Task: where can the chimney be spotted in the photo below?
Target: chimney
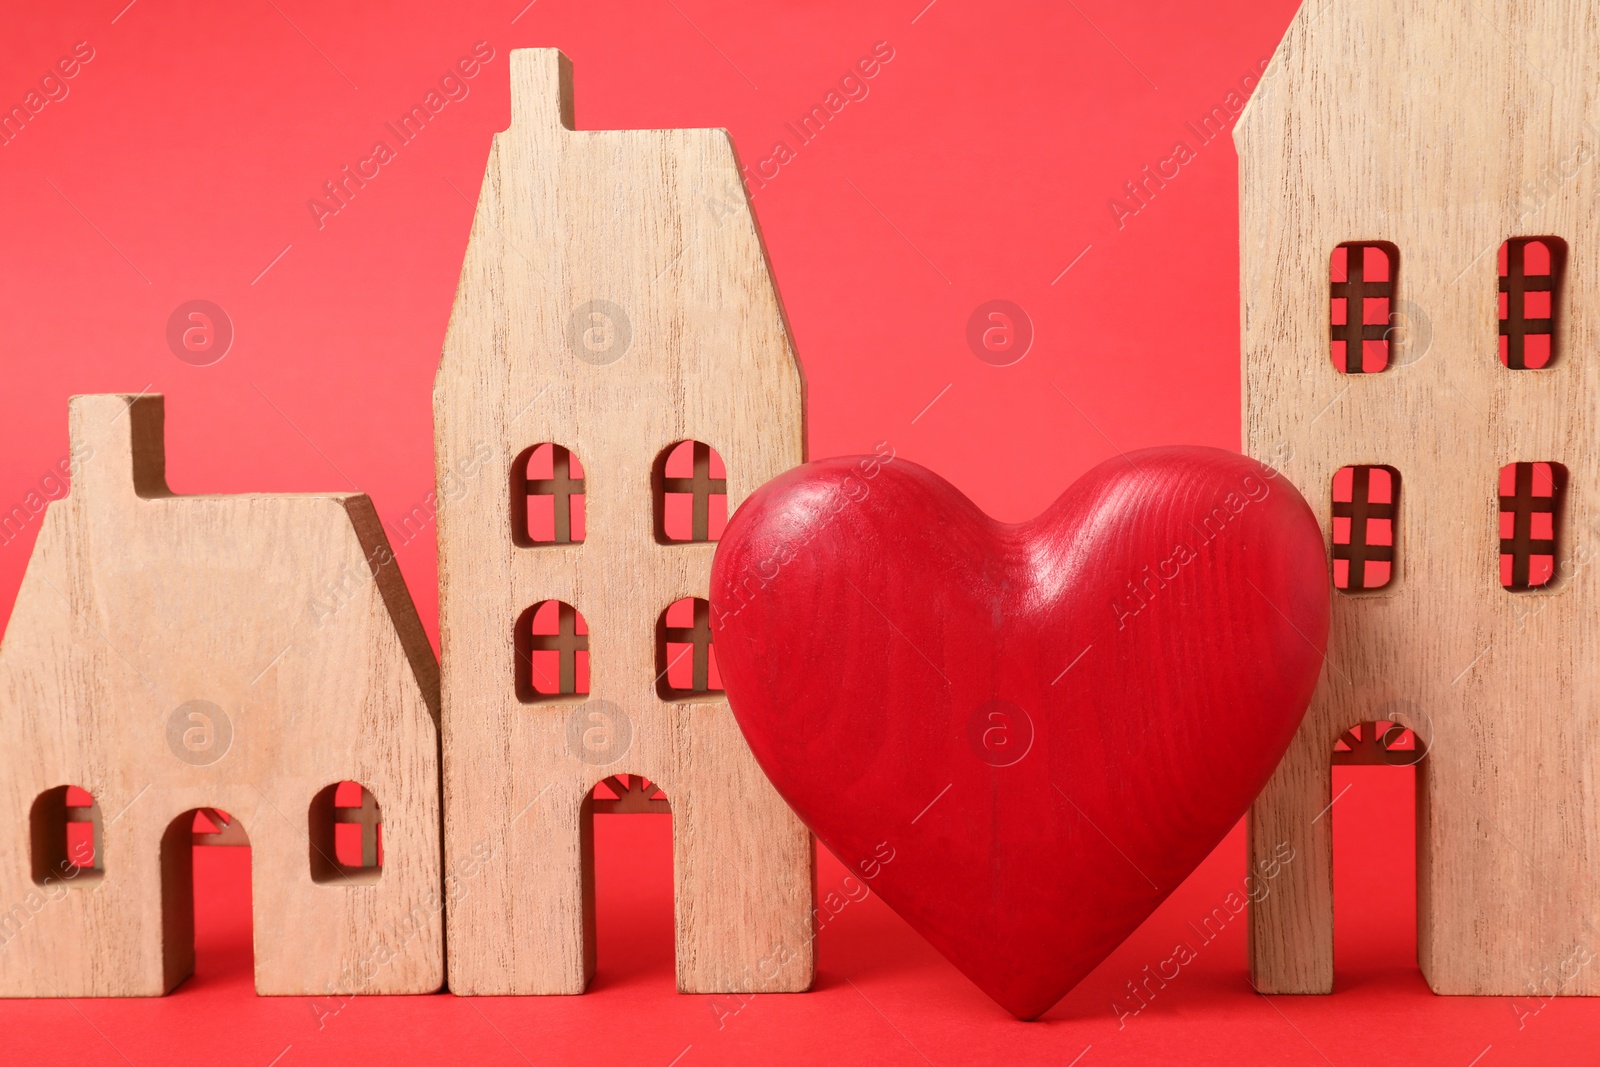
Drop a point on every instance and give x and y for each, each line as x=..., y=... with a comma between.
x=541, y=89
x=118, y=450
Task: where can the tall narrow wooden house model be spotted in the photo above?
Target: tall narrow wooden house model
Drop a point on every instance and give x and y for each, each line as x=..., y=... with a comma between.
x=1421, y=290
x=614, y=320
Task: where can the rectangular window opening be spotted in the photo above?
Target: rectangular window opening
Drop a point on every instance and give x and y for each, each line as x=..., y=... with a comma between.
x=1366, y=507
x=1531, y=496
x=1530, y=288
x=1361, y=290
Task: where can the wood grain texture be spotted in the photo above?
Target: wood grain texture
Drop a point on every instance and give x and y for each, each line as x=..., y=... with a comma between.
x=655, y=224
x=285, y=612
x=1022, y=737
x=1444, y=128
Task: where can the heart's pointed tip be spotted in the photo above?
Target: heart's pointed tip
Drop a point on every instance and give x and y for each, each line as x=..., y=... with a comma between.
x=1026, y=1005
x=1025, y=1011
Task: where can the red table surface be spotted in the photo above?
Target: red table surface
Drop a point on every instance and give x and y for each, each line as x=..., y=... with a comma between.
x=983, y=163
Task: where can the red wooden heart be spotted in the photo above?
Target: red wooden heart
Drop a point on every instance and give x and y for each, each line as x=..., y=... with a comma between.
x=1027, y=735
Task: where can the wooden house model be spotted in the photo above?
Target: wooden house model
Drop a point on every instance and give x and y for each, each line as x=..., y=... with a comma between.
x=1421, y=324
x=184, y=670
x=616, y=338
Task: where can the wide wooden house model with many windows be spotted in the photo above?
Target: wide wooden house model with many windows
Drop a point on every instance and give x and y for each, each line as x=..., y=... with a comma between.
x=1421, y=282
x=617, y=375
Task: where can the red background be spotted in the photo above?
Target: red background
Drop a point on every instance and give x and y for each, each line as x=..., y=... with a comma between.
x=980, y=166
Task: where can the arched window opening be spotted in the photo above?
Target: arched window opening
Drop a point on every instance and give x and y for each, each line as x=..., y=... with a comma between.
x=65, y=828
x=551, y=643
x=547, y=497
x=690, y=485
x=346, y=835
x=686, y=661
